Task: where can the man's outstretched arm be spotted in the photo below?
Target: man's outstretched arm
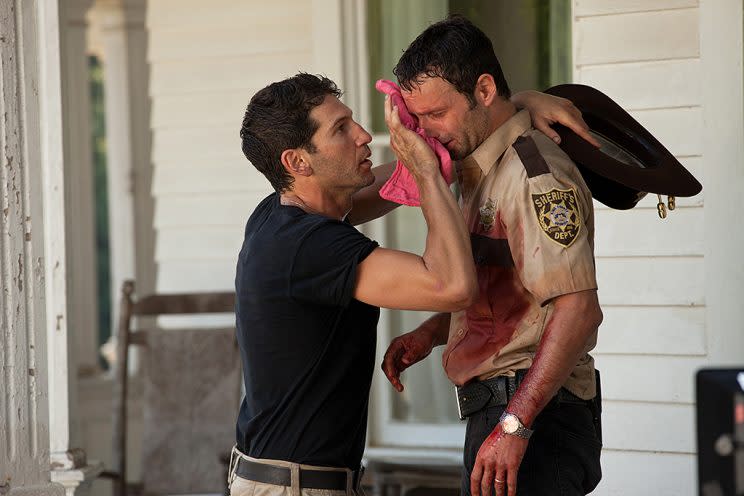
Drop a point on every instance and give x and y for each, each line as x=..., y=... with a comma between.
x=443, y=278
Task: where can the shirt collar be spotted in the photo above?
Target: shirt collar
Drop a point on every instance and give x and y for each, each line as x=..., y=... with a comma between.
x=495, y=145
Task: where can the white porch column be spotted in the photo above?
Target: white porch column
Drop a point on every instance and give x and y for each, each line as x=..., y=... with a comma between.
x=78, y=335
x=82, y=290
x=126, y=76
x=32, y=255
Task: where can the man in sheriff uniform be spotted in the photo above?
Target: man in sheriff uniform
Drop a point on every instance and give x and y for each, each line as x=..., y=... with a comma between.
x=520, y=354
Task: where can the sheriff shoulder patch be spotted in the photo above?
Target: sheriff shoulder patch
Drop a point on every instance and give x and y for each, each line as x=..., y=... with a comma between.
x=558, y=215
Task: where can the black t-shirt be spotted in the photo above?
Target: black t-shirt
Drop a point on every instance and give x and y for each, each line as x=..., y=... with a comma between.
x=307, y=346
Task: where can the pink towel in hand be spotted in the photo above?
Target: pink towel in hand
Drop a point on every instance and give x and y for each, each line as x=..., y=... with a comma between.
x=401, y=187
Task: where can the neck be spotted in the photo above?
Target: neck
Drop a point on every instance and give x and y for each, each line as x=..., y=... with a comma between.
x=318, y=203
x=501, y=112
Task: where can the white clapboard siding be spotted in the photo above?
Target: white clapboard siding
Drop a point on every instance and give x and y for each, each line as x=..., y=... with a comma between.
x=645, y=54
x=206, y=61
x=206, y=42
x=248, y=72
x=652, y=330
x=644, y=85
x=199, y=243
x=636, y=473
x=640, y=232
x=657, y=35
x=208, y=176
x=222, y=14
x=229, y=208
x=603, y=7
x=650, y=280
x=215, y=143
x=183, y=276
x=626, y=427
x=202, y=110
x=649, y=378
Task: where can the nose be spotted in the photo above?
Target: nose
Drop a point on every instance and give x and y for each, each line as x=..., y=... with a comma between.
x=363, y=137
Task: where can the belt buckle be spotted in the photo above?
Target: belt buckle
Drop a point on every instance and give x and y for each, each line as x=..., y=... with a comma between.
x=457, y=400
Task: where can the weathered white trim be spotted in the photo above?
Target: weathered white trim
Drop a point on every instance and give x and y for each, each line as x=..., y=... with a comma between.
x=723, y=176
x=32, y=256
x=82, y=284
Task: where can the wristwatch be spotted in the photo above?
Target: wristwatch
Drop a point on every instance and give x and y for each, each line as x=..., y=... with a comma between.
x=511, y=424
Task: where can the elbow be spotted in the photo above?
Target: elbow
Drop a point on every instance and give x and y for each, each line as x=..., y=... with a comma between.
x=462, y=295
x=598, y=316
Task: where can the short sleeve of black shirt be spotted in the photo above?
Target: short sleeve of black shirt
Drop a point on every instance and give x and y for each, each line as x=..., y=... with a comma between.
x=324, y=268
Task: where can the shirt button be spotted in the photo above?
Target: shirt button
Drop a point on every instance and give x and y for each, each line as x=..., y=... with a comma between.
x=460, y=332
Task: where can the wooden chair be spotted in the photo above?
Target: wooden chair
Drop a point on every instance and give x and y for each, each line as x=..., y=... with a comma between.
x=191, y=393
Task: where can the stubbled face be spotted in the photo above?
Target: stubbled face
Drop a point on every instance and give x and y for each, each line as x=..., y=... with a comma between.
x=445, y=114
x=341, y=160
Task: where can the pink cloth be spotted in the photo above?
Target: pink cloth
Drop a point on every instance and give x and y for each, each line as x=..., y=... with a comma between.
x=401, y=187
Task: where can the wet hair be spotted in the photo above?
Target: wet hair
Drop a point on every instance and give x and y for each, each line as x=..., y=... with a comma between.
x=455, y=50
x=278, y=118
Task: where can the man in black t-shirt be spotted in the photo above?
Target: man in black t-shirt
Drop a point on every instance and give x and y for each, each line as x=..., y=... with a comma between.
x=309, y=286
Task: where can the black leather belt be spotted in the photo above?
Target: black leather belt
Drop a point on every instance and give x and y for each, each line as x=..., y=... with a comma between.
x=282, y=476
x=497, y=391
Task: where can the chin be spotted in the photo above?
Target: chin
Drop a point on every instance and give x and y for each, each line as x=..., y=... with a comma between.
x=369, y=179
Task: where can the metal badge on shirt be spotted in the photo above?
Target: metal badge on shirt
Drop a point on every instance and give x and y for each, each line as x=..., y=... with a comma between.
x=487, y=215
x=558, y=215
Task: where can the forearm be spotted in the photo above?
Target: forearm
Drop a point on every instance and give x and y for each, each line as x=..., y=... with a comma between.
x=437, y=328
x=448, y=255
x=563, y=342
x=367, y=202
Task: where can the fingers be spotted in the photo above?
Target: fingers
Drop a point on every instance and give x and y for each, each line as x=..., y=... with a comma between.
x=544, y=126
x=475, y=478
x=392, y=119
x=574, y=121
x=487, y=480
x=390, y=367
x=511, y=481
x=582, y=130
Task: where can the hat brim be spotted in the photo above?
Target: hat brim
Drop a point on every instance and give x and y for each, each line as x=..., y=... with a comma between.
x=630, y=163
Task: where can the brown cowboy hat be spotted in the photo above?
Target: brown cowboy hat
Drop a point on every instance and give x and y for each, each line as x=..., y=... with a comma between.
x=630, y=163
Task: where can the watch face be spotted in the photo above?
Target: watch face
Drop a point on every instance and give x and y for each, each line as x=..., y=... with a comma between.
x=510, y=424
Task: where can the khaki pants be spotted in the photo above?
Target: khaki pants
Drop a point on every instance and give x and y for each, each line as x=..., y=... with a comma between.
x=243, y=487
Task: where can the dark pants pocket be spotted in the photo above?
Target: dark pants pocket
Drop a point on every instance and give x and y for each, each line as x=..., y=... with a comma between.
x=562, y=457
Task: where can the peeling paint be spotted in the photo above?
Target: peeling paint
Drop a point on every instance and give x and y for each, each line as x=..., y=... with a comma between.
x=59, y=322
x=31, y=372
x=20, y=272
x=28, y=236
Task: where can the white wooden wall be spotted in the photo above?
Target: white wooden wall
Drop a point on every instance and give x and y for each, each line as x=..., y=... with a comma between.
x=646, y=54
x=207, y=59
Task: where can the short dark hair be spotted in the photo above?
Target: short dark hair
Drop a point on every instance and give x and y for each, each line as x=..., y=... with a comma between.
x=455, y=50
x=278, y=118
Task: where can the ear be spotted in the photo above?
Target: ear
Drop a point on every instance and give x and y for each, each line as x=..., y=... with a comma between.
x=485, y=90
x=296, y=162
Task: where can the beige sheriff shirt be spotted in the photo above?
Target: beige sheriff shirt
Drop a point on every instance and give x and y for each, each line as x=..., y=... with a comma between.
x=531, y=221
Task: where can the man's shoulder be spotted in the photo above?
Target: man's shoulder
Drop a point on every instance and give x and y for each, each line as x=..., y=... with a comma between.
x=533, y=157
